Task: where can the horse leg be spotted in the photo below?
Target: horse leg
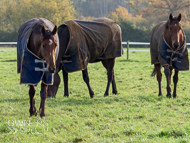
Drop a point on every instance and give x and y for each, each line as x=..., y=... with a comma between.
x=32, y=110
x=43, y=94
x=52, y=89
x=109, y=64
x=175, y=80
x=167, y=74
x=159, y=77
x=86, y=80
x=171, y=71
x=65, y=79
x=114, y=88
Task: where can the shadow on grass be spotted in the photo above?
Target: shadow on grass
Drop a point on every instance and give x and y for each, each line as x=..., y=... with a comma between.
x=151, y=98
x=129, y=60
x=9, y=61
x=13, y=100
x=85, y=101
x=169, y=134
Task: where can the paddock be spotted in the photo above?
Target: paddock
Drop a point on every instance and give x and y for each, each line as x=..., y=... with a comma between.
x=135, y=114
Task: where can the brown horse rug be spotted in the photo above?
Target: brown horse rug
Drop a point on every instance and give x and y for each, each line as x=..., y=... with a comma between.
x=91, y=41
x=162, y=53
x=28, y=64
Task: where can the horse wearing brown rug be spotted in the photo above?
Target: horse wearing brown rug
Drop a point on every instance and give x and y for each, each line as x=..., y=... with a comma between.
x=168, y=49
x=83, y=42
x=37, y=51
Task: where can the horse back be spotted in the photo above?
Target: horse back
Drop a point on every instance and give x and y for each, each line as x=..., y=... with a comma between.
x=90, y=41
x=156, y=38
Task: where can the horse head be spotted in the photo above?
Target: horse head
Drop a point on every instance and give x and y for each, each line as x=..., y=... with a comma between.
x=48, y=48
x=173, y=33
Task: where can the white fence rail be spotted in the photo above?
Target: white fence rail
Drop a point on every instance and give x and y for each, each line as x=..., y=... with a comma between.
x=123, y=43
x=141, y=43
x=136, y=43
x=8, y=43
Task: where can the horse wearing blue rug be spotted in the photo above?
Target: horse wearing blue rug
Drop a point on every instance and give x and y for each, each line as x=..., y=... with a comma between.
x=83, y=42
x=168, y=49
x=37, y=52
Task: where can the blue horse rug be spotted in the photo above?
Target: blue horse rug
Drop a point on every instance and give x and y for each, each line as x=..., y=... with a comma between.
x=178, y=59
x=31, y=67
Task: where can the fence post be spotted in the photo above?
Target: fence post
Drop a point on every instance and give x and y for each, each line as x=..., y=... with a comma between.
x=127, y=50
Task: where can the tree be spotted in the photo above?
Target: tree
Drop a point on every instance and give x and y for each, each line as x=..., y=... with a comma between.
x=122, y=14
x=155, y=11
x=96, y=8
x=13, y=13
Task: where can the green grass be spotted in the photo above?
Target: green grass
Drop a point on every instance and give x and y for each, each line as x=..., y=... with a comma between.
x=136, y=114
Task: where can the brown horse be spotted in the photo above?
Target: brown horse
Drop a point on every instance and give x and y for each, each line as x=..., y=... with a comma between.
x=168, y=50
x=83, y=42
x=40, y=41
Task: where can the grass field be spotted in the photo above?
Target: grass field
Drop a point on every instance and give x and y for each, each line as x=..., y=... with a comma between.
x=136, y=114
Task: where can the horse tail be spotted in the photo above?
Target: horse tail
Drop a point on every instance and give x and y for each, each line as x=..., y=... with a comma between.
x=153, y=72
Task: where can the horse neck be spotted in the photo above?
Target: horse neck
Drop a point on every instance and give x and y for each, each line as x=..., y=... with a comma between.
x=64, y=38
x=34, y=44
x=181, y=39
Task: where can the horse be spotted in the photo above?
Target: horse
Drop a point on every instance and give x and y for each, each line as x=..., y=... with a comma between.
x=168, y=49
x=83, y=42
x=37, y=48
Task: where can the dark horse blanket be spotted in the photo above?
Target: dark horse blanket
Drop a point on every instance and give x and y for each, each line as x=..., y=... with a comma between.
x=28, y=64
x=91, y=41
x=162, y=53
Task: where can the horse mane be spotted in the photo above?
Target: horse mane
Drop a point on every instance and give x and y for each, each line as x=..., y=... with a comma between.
x=168, y=22
x=37, y=29
x=38, y=26
x=38, y=23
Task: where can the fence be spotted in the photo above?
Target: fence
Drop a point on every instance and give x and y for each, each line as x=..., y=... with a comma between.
x=123, y=43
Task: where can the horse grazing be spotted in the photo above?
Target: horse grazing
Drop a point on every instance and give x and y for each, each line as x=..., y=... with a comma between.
x=168, y=49
x=37, y=50
x=83, y=42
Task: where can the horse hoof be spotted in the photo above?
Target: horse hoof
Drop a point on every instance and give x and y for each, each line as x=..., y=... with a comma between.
x=92, y=94
x=106, y=94
x=42, y=115
x=34, y=112
x=174, y=96
x=115, y=92
x=66, y=95
x=159, y=94
x=169, y=95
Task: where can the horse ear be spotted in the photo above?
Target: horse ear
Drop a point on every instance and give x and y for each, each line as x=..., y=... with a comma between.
x=43, y=30
x=170, y=17
x=179, y=17
x=54, y=30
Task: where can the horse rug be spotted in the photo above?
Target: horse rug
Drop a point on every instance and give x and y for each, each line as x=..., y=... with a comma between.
x=178, y=59
x=91, y=41
x=29, y=65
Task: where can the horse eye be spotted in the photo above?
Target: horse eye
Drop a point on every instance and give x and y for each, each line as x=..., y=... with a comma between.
x=43, y=46
x=170, y=28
